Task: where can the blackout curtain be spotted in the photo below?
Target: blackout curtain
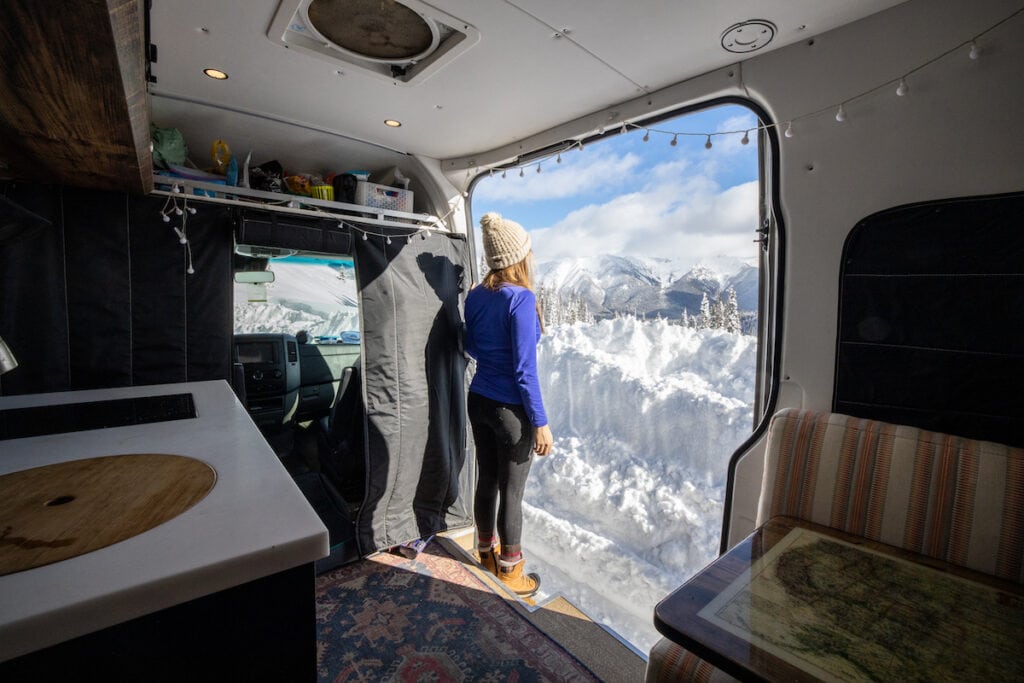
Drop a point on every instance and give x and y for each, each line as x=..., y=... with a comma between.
x=102, y=297
x=418, y=478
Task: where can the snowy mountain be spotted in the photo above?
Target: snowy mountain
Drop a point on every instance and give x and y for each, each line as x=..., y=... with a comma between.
x=648, y=287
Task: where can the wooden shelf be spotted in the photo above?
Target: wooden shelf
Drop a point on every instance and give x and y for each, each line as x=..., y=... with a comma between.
x=73, y=100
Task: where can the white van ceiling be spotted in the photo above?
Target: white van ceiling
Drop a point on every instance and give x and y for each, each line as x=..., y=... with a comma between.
x=493, y=71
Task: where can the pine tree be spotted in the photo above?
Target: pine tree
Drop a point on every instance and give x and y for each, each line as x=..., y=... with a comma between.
x=704, y=320
x=732, y=313
x=718, y=314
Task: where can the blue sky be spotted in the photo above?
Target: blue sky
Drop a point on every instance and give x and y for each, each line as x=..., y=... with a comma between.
x=628, y=197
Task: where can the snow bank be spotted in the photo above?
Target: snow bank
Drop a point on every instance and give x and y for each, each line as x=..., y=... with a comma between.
x=645, y=417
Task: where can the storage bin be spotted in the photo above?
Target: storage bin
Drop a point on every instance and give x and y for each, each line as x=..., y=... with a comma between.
x=322, y=192
x=383, y=197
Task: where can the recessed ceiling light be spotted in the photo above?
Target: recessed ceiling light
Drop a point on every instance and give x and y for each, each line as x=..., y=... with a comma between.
x=392, y=122
x=216, y=74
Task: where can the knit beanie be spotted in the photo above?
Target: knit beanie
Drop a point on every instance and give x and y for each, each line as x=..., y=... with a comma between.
x=505, y=242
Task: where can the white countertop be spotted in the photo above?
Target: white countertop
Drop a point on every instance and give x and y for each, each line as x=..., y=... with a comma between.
x=254, y=523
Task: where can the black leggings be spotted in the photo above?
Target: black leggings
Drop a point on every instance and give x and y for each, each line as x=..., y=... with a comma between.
x=504, y=449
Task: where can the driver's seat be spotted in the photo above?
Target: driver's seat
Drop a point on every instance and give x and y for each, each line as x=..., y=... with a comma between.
x=342, y=458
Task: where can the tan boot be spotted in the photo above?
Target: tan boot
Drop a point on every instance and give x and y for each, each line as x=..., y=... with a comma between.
x=511, y=575
x=489, y=558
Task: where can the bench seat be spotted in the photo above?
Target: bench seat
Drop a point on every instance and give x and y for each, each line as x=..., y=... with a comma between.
x=944, y=496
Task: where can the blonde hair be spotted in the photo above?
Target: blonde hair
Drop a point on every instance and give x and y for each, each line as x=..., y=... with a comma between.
x=520, y=273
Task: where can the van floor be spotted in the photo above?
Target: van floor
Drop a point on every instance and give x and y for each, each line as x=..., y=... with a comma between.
x=599, y=649
x=368, y=613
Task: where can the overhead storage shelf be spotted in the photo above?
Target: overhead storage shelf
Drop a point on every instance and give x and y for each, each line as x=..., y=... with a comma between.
x=198, y=190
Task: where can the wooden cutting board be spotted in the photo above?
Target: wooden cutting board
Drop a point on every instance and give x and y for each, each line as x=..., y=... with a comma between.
x=55, y=512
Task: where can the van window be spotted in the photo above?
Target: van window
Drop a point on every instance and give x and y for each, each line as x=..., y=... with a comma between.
x=316, y=295
x=647, y=275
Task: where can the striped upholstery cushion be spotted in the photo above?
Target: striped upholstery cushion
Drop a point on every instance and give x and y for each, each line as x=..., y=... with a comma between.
x=669, y=662
x=948, y=497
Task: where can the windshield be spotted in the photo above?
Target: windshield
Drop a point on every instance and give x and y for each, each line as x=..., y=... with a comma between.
x=315, y=295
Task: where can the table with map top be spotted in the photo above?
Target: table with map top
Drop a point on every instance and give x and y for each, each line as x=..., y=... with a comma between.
x=799, y=601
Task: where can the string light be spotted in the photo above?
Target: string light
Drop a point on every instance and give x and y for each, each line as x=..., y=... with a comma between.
x=389, y=238
x=974, y=52
x=520, y=173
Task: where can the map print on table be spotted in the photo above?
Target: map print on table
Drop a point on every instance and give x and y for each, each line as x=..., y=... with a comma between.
x=842, y=612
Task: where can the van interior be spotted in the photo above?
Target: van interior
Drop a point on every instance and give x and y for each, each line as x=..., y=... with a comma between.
x=159, y=157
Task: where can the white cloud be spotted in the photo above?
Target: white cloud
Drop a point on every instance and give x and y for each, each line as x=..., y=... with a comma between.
x=578, y=174
x=732, y=143
x=682, y=213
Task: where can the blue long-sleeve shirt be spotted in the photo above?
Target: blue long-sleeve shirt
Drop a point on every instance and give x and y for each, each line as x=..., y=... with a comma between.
x=502, y=331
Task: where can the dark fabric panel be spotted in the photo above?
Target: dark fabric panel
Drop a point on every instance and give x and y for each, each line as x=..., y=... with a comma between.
x=33, y=308
x=210, y=294
x=267, y=229
x=100, y=298
x=100, y=302
x=418, y=478
x=931, y=316
x=182, y=322
x=974, y=384
x=159, y=261
x=966, y=235
x=955, y=312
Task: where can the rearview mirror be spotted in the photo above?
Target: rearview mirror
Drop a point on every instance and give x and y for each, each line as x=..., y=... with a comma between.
x=254, y=277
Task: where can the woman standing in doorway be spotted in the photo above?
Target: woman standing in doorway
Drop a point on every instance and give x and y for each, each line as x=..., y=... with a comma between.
x=505, y=407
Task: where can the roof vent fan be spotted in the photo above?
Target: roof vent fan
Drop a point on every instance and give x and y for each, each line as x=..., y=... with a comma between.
x=404, y=41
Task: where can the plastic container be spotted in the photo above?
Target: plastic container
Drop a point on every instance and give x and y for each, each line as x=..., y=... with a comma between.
x=383, y=197
x=322, y=192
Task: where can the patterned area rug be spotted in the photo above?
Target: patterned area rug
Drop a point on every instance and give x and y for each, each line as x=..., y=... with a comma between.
x=388, y=618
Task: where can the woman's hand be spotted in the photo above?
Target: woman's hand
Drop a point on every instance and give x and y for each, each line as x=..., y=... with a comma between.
x=542, y=440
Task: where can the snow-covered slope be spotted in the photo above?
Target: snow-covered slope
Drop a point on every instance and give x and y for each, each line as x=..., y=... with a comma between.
x=645, y=417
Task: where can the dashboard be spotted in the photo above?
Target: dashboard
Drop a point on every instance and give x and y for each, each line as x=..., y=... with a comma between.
x=287, y=381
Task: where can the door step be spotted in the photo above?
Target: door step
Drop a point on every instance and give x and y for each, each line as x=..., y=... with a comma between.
x=599, y=648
